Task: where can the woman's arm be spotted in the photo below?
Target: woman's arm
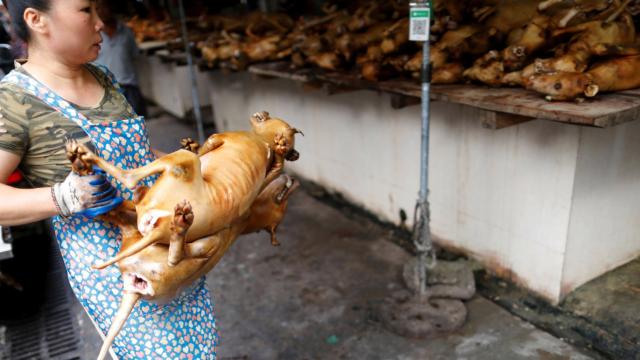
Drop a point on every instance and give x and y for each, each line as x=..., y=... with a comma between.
x=21, y=206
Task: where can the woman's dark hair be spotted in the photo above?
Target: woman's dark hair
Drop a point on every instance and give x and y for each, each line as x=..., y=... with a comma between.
x=16, y=11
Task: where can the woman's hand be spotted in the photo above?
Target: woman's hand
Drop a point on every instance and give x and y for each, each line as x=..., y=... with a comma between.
x=89, y=195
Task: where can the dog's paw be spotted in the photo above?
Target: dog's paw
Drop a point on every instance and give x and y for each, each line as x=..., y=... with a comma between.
x=182, y=217
x=260, y=116
x=190, y=145
x=79, y=157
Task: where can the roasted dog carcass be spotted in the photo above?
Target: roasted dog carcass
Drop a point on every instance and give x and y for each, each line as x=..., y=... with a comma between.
x=350, y=43
x=220, y=183
x=395, y=37
x=534, y=36
x=488, y=69
x=587, y=36
x=610, y=75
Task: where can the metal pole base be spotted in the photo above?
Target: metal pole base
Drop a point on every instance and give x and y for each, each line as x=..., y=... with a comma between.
x=410, y=315
x=448, y=279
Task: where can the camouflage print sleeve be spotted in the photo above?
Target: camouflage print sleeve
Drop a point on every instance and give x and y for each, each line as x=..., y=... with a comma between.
x=14, y=132
x=37, y=133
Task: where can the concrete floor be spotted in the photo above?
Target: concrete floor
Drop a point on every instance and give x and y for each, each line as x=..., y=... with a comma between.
x=314, y=296
x=608, y=297
x=612, y=302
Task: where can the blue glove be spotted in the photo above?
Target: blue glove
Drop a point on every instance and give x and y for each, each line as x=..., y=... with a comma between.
x=90, y=195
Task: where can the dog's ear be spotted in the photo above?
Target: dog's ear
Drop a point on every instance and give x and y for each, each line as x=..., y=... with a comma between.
x=296, y=131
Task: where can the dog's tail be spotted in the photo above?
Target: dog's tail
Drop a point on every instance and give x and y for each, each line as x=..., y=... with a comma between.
x=129, y=301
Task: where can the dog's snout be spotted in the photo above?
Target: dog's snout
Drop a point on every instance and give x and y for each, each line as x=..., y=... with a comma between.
x=292, y=155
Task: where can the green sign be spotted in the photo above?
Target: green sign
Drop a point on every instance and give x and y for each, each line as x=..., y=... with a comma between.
x=423, y=13
x=419, y=22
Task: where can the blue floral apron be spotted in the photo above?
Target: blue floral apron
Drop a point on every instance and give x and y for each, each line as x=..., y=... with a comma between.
x=183, y=329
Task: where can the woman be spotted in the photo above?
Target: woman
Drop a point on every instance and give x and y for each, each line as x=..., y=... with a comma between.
x=57, y=95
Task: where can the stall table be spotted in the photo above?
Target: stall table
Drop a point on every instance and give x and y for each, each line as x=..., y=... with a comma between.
x=602, y=111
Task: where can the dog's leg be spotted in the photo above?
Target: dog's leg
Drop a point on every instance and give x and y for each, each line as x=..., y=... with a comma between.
x=150, y=238
x=129, y=301
x=128, y=230
x=125, y=218
x=182, y=220
x=213, y=142
x=272, y=229
x=127, y=206
x=201, y=248
x=122, y=217
x=208, y=246
x=138, y=193
x=82, y=158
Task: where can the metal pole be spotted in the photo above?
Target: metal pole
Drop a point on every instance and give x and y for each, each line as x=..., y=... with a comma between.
x=421, y=230
x=263, y=5
x=192, y=72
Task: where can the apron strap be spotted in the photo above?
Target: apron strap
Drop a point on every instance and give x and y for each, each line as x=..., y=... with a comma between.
x=110, y=76
x=42, y=92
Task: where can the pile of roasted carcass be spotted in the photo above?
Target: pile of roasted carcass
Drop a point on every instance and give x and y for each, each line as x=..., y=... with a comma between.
x=152, y=30
x=177, y=230
x=563, y=49
x=234, y=42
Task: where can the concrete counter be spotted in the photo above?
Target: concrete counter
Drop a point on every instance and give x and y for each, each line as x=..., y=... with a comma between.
x=169, y=85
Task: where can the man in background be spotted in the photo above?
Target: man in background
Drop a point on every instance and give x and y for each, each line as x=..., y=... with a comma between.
x=118, y=53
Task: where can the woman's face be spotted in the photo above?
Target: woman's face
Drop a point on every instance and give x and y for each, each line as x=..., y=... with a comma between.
x=74, y=30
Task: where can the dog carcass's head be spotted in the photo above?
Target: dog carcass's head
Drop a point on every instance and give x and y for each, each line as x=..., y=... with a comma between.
x=563, y=85
x=270, y=206
x=276, y=132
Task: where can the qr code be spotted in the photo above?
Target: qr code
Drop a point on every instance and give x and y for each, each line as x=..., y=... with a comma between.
x=419, y=27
